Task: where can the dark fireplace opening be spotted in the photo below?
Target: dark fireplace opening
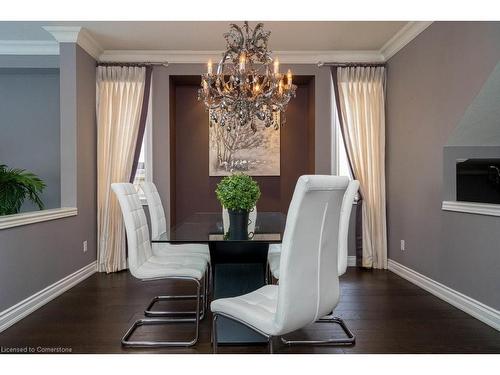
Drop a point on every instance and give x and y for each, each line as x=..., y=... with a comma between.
x=478, y=180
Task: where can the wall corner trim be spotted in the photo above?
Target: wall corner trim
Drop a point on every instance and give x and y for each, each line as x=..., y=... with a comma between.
x=78, y=35
x=477, y=309
x=404, y=36
x=25, y=218
x=472, y=208
x=22, y=309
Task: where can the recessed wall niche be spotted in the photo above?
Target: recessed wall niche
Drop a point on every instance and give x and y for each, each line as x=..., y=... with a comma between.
x=192, y=190
x=30, y=127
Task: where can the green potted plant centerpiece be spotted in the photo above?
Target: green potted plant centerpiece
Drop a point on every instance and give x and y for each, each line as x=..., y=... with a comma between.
x=16, y=185
x=238, y=193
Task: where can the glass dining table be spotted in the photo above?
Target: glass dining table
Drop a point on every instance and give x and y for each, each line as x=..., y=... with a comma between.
x=238, y=266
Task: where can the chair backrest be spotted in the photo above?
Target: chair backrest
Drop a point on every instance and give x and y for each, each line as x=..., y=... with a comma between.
x=309, y=284
x=139, y=247
x=156, y=211
x=345, y=216
x=252, y=218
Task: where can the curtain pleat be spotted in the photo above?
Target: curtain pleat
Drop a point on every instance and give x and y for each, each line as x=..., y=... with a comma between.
x=142, y=122
x=360, y=95
x=120, y=94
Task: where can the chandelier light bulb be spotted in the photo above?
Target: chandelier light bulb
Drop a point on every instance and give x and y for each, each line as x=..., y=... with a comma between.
x=276, y=66
x=209, y=66
x=243, y=61
x=289, y=78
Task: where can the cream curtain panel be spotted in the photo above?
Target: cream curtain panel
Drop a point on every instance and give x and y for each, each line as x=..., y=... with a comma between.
x=361, y=101
x=120, y=92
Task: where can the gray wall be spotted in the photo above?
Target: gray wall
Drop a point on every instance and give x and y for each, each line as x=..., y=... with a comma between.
x=431, y=82
x=30, y=127
x=35, y=256
x=480, y=123
x=29, y=61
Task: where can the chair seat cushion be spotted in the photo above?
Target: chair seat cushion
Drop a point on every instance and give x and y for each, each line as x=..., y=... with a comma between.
x=257, y=308
x=274, y=248
x=192, y=249
x=171, y=266
x=273, y=258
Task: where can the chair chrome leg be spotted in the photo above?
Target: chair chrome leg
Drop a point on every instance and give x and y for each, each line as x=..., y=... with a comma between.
x=350, y=340
x=153, y=313
x=214, y=333
x=206, y=293
x=158, y=321
x=209, y=272
x=271, y=345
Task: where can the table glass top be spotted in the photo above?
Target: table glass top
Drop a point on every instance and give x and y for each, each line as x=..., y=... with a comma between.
x=204, y=227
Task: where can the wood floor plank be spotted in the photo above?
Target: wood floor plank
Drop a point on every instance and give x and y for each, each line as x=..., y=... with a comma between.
x=386, y=313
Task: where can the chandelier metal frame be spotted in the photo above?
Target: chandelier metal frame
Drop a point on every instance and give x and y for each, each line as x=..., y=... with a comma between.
x=247, y=88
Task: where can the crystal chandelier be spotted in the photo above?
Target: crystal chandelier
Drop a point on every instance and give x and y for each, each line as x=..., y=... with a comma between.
x=247, y=88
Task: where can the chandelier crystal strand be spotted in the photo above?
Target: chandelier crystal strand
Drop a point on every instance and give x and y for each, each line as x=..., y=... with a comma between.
x=247, y=87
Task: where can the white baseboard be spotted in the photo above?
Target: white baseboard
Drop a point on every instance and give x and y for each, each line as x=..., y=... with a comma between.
x=478, y=310
x=351, y=261
x=22, y=309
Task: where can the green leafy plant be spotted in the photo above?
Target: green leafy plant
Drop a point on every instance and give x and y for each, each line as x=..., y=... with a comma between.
x=17, y=185
x=238, y=192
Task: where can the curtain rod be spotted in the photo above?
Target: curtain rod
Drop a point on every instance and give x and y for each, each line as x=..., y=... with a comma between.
x=348, y=64
x=145, y=63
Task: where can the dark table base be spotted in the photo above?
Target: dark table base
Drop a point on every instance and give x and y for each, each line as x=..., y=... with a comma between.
x=233, y=278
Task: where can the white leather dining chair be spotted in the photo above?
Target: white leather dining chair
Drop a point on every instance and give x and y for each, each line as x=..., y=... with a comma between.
x=273, y=257
x=159, y=226
x=252, y=218
x=146, y=266
x=274, y=264
x=309, y=285
x=273, y=261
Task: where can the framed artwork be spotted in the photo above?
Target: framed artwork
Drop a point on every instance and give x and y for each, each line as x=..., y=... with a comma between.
x=243, y=150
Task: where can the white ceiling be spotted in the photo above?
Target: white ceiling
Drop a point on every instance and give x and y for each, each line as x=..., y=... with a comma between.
x=207, y=36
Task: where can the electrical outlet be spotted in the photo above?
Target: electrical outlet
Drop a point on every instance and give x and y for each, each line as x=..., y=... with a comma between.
x=84, y=246
x=403, y=245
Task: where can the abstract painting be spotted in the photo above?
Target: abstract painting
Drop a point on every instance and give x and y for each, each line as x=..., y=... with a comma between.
x=243, y=150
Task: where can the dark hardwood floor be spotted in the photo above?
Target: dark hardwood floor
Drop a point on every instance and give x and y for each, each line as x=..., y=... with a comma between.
x=386, y=313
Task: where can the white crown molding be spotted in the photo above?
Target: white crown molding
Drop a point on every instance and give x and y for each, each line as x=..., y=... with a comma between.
x=201, y=57
x=316, y=57
x=404, y=36
x=64, y=34
x=25, y=218
x=29, y=47
x=27, y=306
x=78, y=35
x=477, y=309
x=472, y=208
x=159, y=56
x=89, y=44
